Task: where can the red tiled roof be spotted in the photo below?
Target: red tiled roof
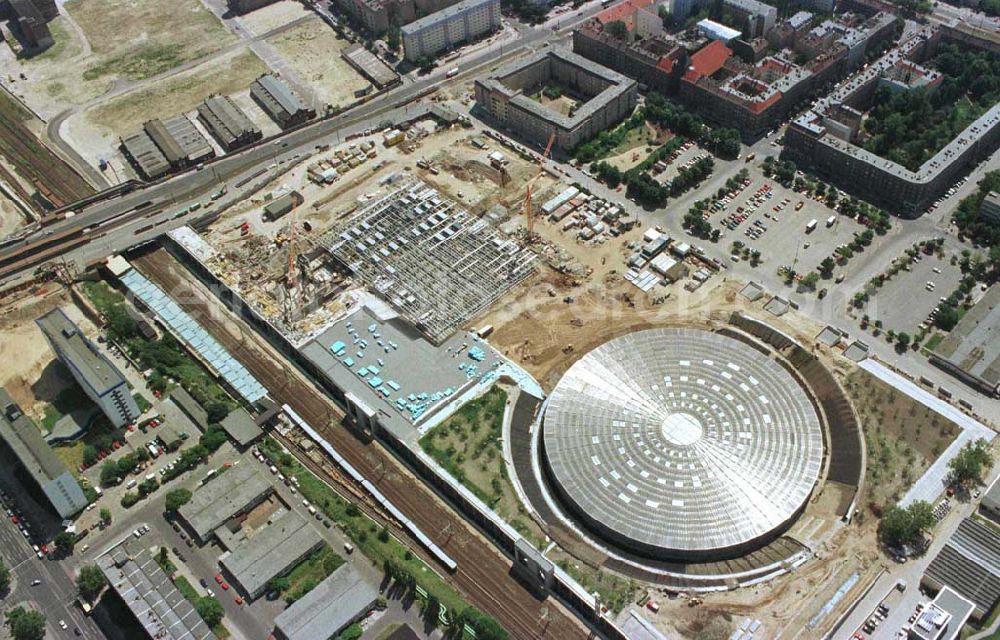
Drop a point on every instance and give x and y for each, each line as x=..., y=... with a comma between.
x=759, y=107
x=708, y=60
x=666, y=64
x=623, y=11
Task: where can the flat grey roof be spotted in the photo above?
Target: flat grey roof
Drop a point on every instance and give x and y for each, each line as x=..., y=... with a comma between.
x=271, y=551
x=150, y=594
x=969, y=563
x=191, y=407
x=991, y=499
x=76, y=351
x=444, y=14
x=241, y=427
x=24, y=438
x=328, y=608
x=974, y=344
x=223, y=497
x=431, y=374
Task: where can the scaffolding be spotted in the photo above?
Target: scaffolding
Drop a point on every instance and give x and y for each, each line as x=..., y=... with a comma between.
x=434, y=262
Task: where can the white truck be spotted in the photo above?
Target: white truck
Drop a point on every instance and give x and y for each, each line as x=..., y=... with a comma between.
x=811, y=226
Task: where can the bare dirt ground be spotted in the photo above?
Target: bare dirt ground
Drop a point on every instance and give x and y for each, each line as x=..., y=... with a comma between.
x=136, y=39
x=273, y=16
x=449, y=150
x=55, y=78
x=11, y=218
x=96, y=132
x=99, y=42
x=31, y=373
x=312, y=50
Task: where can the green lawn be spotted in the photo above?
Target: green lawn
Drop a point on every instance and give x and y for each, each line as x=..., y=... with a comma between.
x=311, y=571
x=933, y=341
x=361, y=529
x=70, y=399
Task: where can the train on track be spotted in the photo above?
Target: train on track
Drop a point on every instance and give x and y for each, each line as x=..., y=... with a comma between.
x=436, y=551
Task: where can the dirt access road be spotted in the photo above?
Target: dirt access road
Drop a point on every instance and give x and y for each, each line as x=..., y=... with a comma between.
x=483, y=574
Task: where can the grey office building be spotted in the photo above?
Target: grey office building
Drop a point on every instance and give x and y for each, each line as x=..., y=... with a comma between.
x=100, y=380
x=450, y=27
x=25, y=441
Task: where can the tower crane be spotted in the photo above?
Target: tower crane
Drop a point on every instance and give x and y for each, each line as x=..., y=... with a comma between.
x=528, y=214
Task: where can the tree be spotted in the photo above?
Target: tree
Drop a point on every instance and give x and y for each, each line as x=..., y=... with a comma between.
x=109, y=473
x=902, y=341
x=352, y=632
x=425, y=64
x=216, y=411
x=616, y=29
x=901, y=526
x=105, y=515
x=176, y=499
x=280, y=584
x=968, y=466
x=25, y=624
x=4, y=577
x=90, y=581
x=392, y=37
x=826, y=267
x=431, y=608
x=947, y=317
x=89, y=455
x=809, y=280
x=486, y=628
x=64, y=542
x=210, y=610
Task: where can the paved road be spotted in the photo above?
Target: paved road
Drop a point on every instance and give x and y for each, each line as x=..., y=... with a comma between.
x=56, y=594
x=169, y=196
x=53, y=130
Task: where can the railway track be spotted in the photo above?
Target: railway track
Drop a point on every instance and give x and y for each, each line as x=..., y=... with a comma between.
x=55, y=180
x=483, y=574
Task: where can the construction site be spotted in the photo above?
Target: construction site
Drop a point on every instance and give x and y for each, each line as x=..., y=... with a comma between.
x=428, y=217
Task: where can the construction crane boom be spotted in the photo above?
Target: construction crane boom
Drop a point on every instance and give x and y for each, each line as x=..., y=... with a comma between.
x=528, y=213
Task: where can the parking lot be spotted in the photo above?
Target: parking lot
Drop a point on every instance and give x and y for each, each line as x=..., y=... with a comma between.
x=668, y=168
x=882, y=621
x=766, y=216
x=907, y=300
